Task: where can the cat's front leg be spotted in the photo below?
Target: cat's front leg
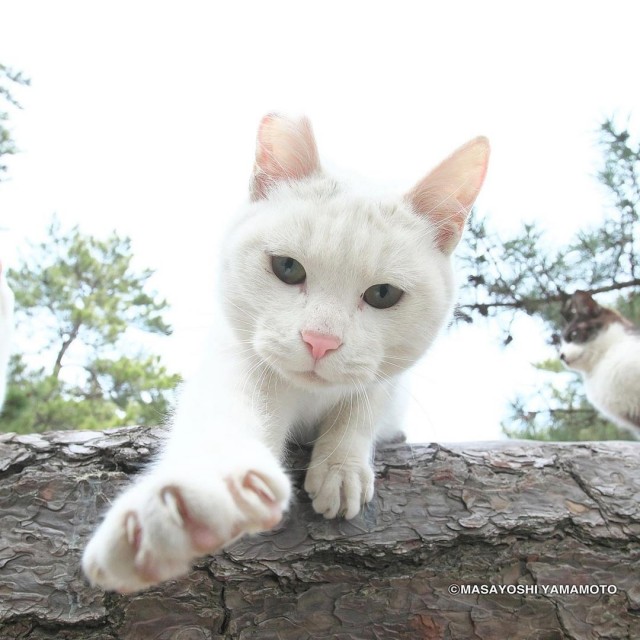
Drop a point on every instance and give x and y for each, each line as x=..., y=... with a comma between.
x=184, y=509
x=216, y=479
x=340, y=475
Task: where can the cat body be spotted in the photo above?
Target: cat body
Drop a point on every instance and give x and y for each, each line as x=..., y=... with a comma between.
x=6, y=330
x=605, y=348
x=326, y=298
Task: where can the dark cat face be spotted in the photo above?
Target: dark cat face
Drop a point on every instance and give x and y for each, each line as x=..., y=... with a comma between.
x=585, y=318
x=587, y=322
x=582, y=330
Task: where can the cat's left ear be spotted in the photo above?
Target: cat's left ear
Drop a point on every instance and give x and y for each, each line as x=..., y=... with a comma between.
x=445, y=196
x=285, y=150
x=583, y=305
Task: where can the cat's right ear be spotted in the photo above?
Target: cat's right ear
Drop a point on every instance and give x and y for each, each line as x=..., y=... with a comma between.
x=286, y=150
x=583, y=305
x=446, y=195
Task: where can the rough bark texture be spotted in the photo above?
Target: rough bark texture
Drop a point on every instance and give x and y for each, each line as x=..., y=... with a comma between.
x=511, y=513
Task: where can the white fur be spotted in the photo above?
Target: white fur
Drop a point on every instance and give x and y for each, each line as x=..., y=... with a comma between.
x=610, y=367
x=260, y=386
x=6, y=330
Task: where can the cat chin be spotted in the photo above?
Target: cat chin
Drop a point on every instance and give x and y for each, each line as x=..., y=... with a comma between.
x=312, y=380
x=309, y=379
x=573, y=365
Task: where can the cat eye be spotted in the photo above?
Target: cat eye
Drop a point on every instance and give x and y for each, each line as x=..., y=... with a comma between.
x=382, y=296
x=290, y=271
x=582, y=333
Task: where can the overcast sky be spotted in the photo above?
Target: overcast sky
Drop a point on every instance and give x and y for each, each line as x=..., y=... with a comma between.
x=142, y=117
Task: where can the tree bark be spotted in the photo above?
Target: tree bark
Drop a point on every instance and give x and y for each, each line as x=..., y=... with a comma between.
x=515, y=516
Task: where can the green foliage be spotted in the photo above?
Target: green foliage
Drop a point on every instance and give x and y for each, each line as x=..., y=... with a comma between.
x=559, y=411
x=528, y=274
x=79, y=300
x=520, y=274
x=7, y=77
x=575, y=422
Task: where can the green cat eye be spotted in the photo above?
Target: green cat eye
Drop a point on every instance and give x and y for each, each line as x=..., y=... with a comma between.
x=290, y=271
x=382, y=296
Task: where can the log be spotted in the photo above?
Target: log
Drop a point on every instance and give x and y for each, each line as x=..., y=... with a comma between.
x=501, y=520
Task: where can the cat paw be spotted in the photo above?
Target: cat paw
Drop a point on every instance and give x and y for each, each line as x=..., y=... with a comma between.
x=156, y=529
x=339, y=488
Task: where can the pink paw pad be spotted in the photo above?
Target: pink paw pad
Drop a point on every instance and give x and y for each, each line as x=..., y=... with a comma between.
x=203, y=538
x=261, y=514
x=143, y=560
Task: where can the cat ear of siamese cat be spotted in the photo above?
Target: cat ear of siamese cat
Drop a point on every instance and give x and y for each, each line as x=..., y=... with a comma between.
x=604, y=347
x=326, y=299
x=6, y=329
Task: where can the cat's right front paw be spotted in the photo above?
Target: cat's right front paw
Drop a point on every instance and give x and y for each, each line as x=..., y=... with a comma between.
x=157, y=528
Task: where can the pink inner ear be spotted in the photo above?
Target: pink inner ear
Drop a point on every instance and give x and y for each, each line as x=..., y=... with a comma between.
x=445, y=196
x=286, y=150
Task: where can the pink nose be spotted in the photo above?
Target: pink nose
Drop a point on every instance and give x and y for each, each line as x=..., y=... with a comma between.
x=320, y=343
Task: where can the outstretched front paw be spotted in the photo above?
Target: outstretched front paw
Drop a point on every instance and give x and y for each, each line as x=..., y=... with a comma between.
x=157, y=528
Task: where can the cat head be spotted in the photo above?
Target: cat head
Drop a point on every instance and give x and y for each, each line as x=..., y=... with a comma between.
x=330, y=288
x=586, y=333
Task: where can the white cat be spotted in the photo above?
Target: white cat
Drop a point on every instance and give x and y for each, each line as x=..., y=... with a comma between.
x=6, y=329
x=605, y=348
x=326, y=299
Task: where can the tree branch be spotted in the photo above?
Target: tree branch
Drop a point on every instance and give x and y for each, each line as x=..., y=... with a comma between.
x=509, y=514
x=65, y=346
x=530, y=303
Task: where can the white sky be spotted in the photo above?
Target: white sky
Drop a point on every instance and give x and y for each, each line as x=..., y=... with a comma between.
x=142, y=118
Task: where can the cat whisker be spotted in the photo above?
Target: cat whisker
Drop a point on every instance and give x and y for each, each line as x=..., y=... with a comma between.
x=369, y=410
x=243, y=330
x=390, y=357
x=247, y=374
x=243, y=311
x=257, y=387
x=392, y=364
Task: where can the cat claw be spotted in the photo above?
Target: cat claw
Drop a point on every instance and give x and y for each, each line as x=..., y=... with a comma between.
x=154, y=532
x=254, y=486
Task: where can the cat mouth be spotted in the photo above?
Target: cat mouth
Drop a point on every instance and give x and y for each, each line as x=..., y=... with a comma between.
x=567, y=361
x=311, y=376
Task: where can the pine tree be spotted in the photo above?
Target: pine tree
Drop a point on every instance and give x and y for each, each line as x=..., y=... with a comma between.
x=82, y=307
x=8, y=78
x=527, y=274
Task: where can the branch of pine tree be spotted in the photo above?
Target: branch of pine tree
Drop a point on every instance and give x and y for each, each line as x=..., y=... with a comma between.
x=533, y=303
